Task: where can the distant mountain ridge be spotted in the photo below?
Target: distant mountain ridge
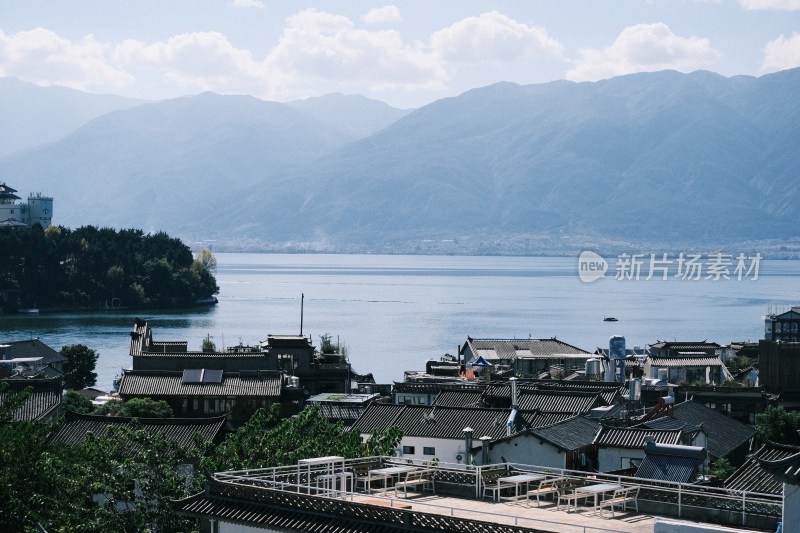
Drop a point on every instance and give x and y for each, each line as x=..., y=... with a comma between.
x=654, y=157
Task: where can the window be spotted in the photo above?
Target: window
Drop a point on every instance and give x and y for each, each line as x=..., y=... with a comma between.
x=408, y=450
x=630, y=462
x=428, y=450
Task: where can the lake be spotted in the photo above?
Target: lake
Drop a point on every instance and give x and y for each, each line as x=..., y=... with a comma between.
x=395, y=312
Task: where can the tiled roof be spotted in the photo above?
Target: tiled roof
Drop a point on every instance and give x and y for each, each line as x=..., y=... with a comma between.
x=672, y=362
x=549, y=401
x=44, y=400
x=160, y=384
x=752, y=476
x=500, y=393
x=435, y=387
x=378, y=416
x=609, y=392
x=449, y=422
x=510, y=349
x=242, y=511
x=31, y=348
x=667, y=422
x=612, y=437
x=459, y=398
x=678, y=464
x=685, y=345
x=724, y=433
x=181, y=430
x=345, y=413
x=571, y=434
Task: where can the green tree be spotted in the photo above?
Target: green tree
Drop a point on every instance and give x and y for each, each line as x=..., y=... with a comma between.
x=208, y=346
x=721, y=468
x=79, y=368
x=137, y=408
x=778, y=425
x=77, y=403
x=264, y=442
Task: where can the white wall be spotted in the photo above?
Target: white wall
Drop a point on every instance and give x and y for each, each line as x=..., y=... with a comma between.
x=528, y=450
x=609, y=459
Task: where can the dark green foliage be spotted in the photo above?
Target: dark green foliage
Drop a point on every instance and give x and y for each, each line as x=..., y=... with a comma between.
x=98, y=267
x=778, y=425
x=77, y=403
x=79, y=367
x=137, y=408
x=264, y=442
x=124, y=481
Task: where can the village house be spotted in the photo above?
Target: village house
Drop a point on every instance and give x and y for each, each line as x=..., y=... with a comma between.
x=284, y=370
x=623, y=448
x=526, y=357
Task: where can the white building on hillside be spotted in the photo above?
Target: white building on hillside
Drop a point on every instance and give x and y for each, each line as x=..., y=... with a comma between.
x=37, y=210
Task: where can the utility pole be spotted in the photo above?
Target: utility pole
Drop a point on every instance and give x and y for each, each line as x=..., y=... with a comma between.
x=302, y=297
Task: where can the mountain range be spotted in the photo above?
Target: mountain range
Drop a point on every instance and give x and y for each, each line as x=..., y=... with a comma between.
x=692, y=160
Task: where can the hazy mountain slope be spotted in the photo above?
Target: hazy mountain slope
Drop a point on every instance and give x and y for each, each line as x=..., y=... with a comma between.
x=662, y=156
x=163, y=165
x=33, y=115
x=686, y=159
x=353, y=114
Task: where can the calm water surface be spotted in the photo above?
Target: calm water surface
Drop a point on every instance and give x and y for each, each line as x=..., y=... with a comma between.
x=395, y=312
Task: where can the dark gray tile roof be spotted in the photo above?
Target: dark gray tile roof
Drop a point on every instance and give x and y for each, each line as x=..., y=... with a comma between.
x=752, y=476
x=613, y=437
x=31, y=348
x=459, y=398
x=571, y=434
x=449, y=422
x=341, y=412
x=550, y=401
x=510, y=349
x=435, y=387
x=724, y=433
x=666, y=422
x=160, y=384
x=685, y=345
x=500, y=393
x=43, y=402
x=678, y=464
x=377, y=416
x=181, y=430
x=672, y=362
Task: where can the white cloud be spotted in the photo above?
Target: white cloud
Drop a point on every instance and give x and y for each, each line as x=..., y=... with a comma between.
x=782, y=53
x=40, y=56
x=782, y=5
x=492, y=37
x=381, y=15
x=247, y=3
x=204, y=61
x=322, y=47
x=644, y=48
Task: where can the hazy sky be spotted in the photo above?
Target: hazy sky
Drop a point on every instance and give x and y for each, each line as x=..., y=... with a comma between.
x=406, y=53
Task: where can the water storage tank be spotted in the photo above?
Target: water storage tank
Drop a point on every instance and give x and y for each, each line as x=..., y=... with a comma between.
x=593, y=368
x=294, y=382
x=634, y=390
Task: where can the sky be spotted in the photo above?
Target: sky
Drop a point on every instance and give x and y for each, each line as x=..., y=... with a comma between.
x=405, y=53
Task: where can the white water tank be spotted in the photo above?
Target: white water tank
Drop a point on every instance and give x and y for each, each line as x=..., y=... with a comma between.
x=294, y=382
x=593, y=367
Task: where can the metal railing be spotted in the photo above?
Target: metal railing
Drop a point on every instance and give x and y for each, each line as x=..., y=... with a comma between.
x=674, y=499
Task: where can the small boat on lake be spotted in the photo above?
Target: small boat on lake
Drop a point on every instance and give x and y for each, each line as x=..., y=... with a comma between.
x=609, y=319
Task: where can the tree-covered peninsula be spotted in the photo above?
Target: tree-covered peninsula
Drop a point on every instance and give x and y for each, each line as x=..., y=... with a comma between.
x=90, y=268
